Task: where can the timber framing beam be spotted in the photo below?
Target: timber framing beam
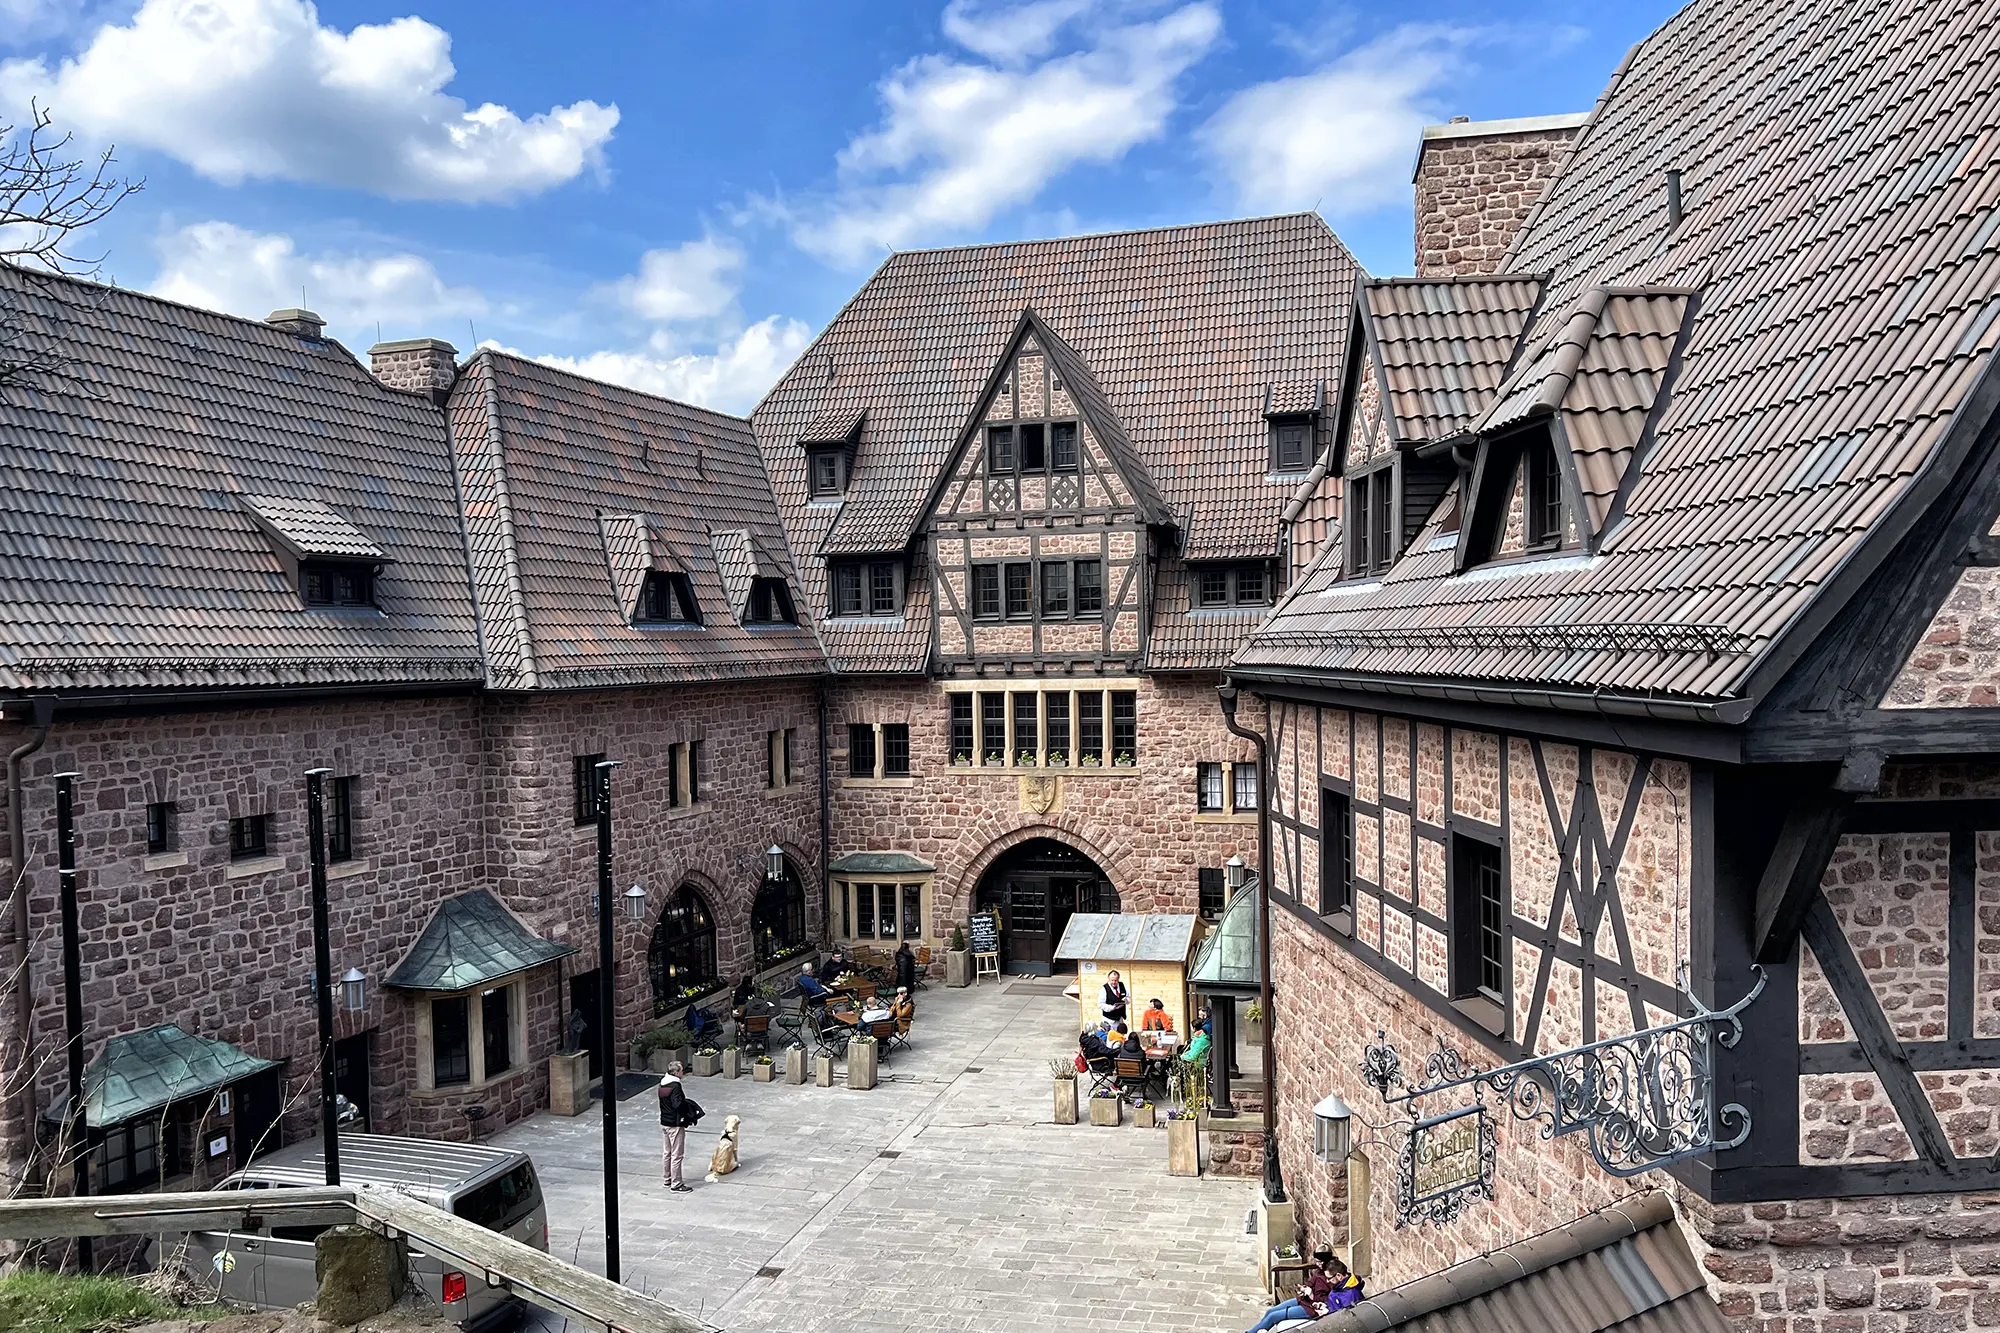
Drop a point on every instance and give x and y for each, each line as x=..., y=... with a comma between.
x=1791, y=878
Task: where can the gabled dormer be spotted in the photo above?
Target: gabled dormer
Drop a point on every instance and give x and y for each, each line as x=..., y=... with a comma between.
x=653, y=589
x=830, y=440
x=1561, y=446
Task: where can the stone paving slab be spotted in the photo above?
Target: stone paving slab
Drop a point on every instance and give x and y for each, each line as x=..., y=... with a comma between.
x=943, y=1199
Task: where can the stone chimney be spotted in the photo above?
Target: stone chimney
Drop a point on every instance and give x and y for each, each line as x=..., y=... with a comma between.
x=1476, y=182
x=416, y=365
x=299, y=323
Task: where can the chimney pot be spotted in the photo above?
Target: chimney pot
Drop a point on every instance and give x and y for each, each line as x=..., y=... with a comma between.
x=1460, y=120
x=297, y=322
x=416, y=365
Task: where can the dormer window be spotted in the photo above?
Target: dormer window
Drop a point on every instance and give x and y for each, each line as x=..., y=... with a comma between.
x=867, y=587
x=667, y=598
x=1291, y=445
x=1373, y=535
x=827, y=473
x=1544, y=495
x=1293, y=410
x=1217, y=587
x=337, y=583
x=770, y=603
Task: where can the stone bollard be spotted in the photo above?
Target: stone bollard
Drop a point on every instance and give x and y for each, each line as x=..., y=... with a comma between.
x=732, y=1062
x=861, y=1057
x=823, y=1070
x=795, y=1064
x=569, y=1083
x=360, y=1274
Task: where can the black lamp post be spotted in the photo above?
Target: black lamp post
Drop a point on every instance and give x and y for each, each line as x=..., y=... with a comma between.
x=329, y=1092
x=72, y=947
x=607, y=998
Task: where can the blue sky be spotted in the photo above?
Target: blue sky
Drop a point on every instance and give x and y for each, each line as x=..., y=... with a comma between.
x=678, y=195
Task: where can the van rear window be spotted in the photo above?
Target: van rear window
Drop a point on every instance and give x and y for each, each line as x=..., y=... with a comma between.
x=500, y=1203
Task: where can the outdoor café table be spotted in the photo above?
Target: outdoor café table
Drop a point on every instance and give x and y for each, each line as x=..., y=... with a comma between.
x=1160, y=1048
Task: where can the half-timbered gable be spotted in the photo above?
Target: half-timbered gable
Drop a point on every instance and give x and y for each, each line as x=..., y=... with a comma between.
x=1694, y=684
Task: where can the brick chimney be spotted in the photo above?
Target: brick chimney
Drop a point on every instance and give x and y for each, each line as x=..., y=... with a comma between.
x=297, y=322
x=417, y=365
x=1476, y=181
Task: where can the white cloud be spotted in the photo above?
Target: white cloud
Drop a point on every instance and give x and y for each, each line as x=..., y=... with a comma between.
x=730, y=379
x=1342, y=136
x=960, y=141
x=694, y=280
x=242, y=89
x=220, y=266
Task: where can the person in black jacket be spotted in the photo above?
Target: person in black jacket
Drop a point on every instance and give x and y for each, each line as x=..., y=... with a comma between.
x=906, y=968
x=673, y=1128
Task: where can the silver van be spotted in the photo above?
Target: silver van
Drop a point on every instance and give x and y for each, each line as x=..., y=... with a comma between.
x=272, y=1267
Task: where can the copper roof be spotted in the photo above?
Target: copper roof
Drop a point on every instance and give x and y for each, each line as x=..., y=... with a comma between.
x=1182, y=330
x=1842, y=236
x=1628, y=1262
x=573, y=490
x=132, y=557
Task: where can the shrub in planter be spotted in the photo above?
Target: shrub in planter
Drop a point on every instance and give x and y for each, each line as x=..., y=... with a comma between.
x=1144, y=1113
x=861, y=1063
x=1065, y=1080
x=764, y=1069
x=708, y=1062
x=1183, y=1151
x=1253, y=1024
x=1107, y=1110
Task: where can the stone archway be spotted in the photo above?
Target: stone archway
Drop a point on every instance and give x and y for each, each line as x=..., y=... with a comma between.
x=1037, y=885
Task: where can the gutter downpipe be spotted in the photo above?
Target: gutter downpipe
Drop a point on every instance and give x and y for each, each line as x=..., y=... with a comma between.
x=19, y=1005
x=825, y=824
x=1274, y=1182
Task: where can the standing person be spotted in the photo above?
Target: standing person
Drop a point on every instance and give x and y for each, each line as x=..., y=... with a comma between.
x=673, y=1128
x=1115, y=998
x=906, y=967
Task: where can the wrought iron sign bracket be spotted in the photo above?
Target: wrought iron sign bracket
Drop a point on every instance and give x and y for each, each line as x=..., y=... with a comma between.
x=1645, y=1100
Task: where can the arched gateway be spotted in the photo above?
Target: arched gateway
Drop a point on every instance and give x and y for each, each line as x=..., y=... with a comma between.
x=1038, y=886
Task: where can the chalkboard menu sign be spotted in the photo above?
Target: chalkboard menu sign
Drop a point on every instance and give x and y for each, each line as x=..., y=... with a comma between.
x=985, y=932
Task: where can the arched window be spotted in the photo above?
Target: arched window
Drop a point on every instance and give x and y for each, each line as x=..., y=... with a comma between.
x=778, y=921
x=682, y=956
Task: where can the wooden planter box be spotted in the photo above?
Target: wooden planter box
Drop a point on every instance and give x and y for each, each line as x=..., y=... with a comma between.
x=1183, y=1151
x=732, y=1063
x=1145, y=1117
x=1065, y=1101
x=708, y=1066
x=795, y=1064
x=1106, y=1111
x=1253, y=1032
x=861, y=1058
x=823, y=1070
x=762, y=1072
x=958, y=968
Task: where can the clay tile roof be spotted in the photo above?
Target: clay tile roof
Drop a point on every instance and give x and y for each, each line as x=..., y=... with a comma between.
x=1842, y=238
x=1295, y=398
x=573, y=490
x=836, y=425
x=1442, y=345
x=309, y=528
x=129, y=558
x=1181, y=328
x=1625, y=1263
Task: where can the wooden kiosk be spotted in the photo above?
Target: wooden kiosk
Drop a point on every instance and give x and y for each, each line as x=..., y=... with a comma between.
x=1149, y=952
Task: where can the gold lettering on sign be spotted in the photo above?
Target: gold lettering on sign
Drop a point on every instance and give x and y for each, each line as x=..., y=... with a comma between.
x=1447, y=1157
x=1041, y=794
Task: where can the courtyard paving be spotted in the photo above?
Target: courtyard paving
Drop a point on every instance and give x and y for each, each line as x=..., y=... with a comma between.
x=944, y=1199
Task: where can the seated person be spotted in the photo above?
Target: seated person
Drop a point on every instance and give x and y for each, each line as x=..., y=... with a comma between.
x=903, y=1010
x=1331, y=1287
x=739, y=999
x=1156, y=1018
x=1096, y=1051
x=1197, y=1051
x=814, y=994
x=701, y=1026
x=1127, y=1043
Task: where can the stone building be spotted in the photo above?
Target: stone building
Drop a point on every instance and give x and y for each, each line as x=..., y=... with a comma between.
x=232, y=555
x=1640, y=667
x=1035, y=494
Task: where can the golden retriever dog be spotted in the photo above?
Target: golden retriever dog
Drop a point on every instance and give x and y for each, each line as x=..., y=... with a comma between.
x=724, y=1160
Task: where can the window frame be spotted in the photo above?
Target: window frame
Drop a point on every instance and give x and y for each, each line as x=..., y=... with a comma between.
x=666, y=601
x=994, y=584
x=340, y=822
x=583, y=787
x=1480, y=939
x=1209, y=788
x=1336, y=864
x=1070, y=726
x=242, y=846
x=318, y=584
x=853, y=896
x=1237, y=773
x=1542, y=497
x=1306, y=423
x=1024, y=609
x=1205, y=576
x=1008, y=446
x=852, y=586
x=1369, y=509
x=163, y=835
x=770, y=603
x=815, y=460
x=863, y=756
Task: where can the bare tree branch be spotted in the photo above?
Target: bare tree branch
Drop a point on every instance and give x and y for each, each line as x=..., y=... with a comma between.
x=50, y=196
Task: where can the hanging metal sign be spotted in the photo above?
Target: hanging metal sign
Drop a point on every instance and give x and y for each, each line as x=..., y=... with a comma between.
x=1446, y=1162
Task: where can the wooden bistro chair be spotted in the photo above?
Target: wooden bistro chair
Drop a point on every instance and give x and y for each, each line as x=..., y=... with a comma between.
x=1130, y=1071
x=756, y=1034
x=886, y=1037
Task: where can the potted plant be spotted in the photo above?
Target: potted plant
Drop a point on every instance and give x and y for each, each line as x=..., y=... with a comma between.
x=669, y=1042
x=861, y=1061
x=1026, y=759
x=1253, y=1023
x=1123, y=759
x=1090, y=759
x=763, y=1069
x=1065, y=1072
x=1107, y=1109
x=1144, y=1113
x=1183, y=1153
x=708, y=1062
x=957, y=961
x=732, y=1062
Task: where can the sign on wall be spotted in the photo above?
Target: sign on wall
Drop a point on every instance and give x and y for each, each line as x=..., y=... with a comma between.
x=1446, y=1163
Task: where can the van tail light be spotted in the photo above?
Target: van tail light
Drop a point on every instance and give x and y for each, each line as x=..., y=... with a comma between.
x=454, y=1287
x=545, y=1238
